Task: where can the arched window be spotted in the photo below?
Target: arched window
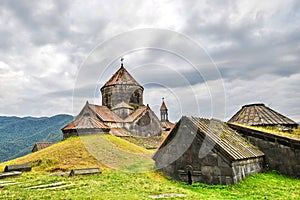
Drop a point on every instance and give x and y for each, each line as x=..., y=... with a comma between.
x=135, y=97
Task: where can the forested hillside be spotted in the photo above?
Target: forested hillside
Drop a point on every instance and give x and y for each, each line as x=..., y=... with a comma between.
x=18, y=135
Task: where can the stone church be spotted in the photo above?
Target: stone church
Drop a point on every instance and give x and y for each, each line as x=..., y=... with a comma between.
x=195, y=149
x=122, y=113
x=207, y=151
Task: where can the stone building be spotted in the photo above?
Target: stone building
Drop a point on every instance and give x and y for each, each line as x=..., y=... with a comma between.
x=122, y=113
x=41, y=145
x=163, y=112
x=261, y=115
x=282, y=150
x=167, y=126
x=194, y=149
x=207, y=151
x=281, y=153
x=122, y=92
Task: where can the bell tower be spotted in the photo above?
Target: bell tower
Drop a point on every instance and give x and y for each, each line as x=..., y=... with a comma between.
x=163, y=111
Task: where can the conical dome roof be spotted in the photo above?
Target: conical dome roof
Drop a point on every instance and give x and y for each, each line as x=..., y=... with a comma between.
x=258, y=115
x=121, y=77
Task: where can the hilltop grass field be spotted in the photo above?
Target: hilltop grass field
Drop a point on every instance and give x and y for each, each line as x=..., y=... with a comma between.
x=131, y=180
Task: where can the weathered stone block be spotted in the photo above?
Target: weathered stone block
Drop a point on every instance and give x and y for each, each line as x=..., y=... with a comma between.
x=210, y=160
x=297, y=152
x=222, y=163
x=229, y=180
x=226, y=171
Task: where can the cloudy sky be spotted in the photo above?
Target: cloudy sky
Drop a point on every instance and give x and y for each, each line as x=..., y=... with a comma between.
x=207, y=58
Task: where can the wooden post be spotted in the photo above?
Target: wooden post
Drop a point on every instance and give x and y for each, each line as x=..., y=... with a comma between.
x=18, y=167
x=85, y=171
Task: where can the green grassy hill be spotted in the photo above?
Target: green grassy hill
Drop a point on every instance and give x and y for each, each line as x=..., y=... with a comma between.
x=89, y=151
x=133, y=178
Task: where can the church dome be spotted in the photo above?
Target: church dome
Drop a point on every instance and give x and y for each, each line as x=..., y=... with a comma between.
x=121, y=77
x=122, y=87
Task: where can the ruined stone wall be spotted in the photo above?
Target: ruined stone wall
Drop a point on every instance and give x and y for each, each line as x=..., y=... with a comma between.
x=115, y=94
x=281, y=153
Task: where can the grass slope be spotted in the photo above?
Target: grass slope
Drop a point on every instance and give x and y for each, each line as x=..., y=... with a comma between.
x=120, y=184
x=89, y=151
x=62, y=156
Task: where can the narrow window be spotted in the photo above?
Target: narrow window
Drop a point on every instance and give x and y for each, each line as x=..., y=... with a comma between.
x=190, y=181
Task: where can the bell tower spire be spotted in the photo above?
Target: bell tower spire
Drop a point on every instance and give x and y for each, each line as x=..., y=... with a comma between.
x=163, y=111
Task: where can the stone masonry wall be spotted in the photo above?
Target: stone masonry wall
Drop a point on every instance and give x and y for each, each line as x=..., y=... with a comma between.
x=147, y=125
x=180, y=160
x=281, y=153
x=115, y=94
x=244, y=168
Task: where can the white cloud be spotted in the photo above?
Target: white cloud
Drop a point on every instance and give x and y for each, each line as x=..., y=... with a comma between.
x=255, y=44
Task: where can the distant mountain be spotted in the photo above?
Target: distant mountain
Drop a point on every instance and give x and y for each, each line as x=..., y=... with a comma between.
x=18, y=135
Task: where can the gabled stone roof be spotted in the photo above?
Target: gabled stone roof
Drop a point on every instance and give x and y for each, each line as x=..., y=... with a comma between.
x=85, y=123
x=89, y=123
x=105, y=114
x=260, y=115
x=137, y=113
x=92, y=117
x=41, y=145
x=95, y=116
x=227, y=141
x=121, y=77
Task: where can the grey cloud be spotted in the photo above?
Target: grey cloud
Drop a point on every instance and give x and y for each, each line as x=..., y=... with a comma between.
x=49, y=25
x=87, y=91
x=247, y=56
x=74, y=28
